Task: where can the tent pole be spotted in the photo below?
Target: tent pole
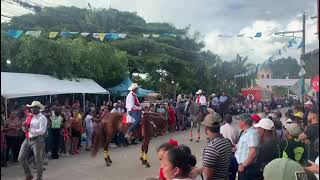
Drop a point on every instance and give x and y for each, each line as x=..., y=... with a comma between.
x=96, y=101
x=6, y=107
x=72, y=97
x=109, y=97
x=84, y=101
x=50, y=98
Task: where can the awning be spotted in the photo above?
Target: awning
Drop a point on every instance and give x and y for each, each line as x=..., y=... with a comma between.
x=15, y=85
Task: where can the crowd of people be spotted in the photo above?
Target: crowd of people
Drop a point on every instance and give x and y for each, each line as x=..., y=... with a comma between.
x=263, y=139
x=268, y=147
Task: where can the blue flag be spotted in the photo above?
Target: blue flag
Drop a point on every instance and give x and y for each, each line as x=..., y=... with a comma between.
x=258, y=34
x=112, y=36
x=300, y=45
x=14, y=33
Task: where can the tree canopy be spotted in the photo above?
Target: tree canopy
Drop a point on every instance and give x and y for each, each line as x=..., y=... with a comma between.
x=169, y=62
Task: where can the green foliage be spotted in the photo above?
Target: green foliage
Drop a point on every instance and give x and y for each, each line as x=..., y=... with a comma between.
x=181, y=58
x=281, y=68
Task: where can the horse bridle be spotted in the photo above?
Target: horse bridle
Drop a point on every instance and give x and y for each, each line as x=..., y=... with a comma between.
x=152, y=121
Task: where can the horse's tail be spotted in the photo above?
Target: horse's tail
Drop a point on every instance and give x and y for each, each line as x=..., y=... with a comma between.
x=97, y=139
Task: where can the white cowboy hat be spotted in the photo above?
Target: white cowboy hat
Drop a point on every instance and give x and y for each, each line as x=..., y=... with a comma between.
x=308, y=103
x=36, y=104
x=213, y=94
x=199, y=91
x=133, y=86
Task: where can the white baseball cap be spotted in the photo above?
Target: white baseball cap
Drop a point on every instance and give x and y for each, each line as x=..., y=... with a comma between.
x=265, y=123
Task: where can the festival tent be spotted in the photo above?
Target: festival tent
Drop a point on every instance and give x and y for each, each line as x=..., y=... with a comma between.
x=15, y=85
x=122, y=89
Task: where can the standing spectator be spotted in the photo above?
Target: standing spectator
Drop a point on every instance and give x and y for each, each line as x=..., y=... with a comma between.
x=161, y=110
x=3, y=148
x=269, y=147
x=256, y=118
x=292, y=147
x=297, y=111
x=217, y=154
x=228, y=131
x=11, y=130
x=247, y=148
x=115, y=108
x=76, y=128
x=35, y=129
x=312, y=132
x=314, y=166
x=172, y=118
x=56, y=121
x=89, y=129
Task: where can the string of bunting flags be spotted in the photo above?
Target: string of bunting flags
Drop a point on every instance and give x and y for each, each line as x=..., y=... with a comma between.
x=258, y=35
x=15, y=34
x=249, y=72
x=293, y=43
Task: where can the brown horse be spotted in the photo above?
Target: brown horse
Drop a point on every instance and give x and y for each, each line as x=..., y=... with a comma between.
x=112, y=124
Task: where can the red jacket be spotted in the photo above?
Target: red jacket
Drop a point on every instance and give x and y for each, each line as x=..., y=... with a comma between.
x=172, y=117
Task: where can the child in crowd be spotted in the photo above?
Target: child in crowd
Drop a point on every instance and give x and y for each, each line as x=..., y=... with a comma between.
x=161, y=151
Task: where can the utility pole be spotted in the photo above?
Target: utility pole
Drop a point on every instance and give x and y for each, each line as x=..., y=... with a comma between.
x=303, y=49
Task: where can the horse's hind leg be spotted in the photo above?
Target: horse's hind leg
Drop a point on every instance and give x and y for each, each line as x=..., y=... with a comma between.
x=199, y=125
x=191, y=139
x=106, y=153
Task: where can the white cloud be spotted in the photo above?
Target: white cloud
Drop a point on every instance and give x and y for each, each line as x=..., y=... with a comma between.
x=265, y=46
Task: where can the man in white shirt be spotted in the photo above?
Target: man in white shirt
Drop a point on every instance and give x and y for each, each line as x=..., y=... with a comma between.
x=228, y=131
x=35, y=129
x=201, y=101
x=133, y=108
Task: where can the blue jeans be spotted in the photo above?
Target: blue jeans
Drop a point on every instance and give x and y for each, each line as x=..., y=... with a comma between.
x=136, y=115
x=89, y=132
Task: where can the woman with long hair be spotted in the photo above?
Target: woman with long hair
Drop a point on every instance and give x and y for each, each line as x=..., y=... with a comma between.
x=76, y=131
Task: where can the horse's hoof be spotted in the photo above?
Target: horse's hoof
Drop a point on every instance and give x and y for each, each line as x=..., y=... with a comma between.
x=108, y=164
x=110, y=161
x=147, y=165
x=197, y=141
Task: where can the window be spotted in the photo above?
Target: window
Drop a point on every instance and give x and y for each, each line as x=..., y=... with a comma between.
x=268, y=76
x=262, y=76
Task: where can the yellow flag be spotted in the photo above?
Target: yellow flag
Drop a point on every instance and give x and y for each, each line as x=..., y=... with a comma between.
x=101, y=36
x=53, y=34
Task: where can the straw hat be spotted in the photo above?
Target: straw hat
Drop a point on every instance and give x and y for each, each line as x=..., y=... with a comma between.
x=36, y=104
x=133, y=86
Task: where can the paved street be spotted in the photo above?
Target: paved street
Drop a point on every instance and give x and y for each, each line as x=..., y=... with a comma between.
x=126, y=164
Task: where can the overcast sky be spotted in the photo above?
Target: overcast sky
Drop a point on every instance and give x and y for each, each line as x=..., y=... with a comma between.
x=223, y=17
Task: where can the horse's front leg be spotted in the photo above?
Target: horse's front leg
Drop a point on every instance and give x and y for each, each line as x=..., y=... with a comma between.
x=191, y=128
x=144, y=151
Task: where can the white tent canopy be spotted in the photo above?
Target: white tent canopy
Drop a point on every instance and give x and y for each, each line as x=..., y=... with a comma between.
x=15, y=85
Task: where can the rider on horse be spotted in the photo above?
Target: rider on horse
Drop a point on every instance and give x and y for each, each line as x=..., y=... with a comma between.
x=133, y=109
x=201, y=102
